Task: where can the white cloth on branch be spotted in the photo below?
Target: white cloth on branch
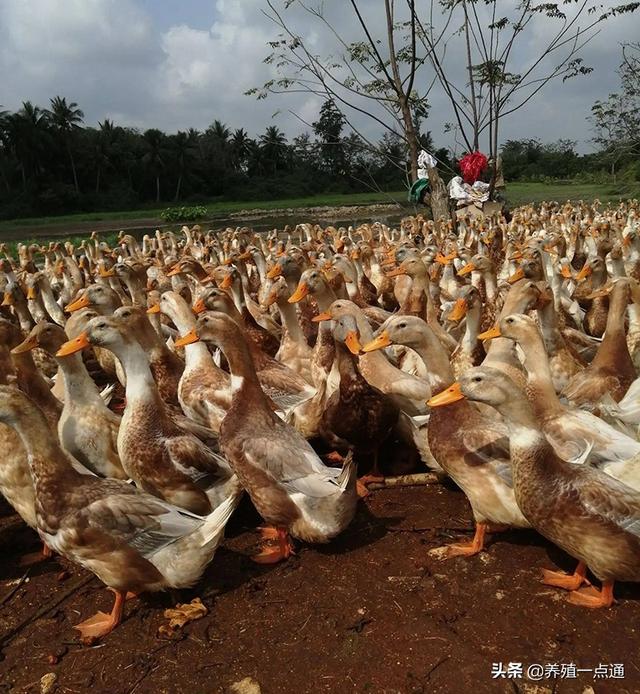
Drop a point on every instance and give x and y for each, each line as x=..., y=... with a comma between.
x=426, y=161
x=466, y=194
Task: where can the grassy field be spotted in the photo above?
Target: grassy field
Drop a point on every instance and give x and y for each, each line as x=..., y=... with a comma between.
x=517, y=194
x=216, y=208
x=523, y=193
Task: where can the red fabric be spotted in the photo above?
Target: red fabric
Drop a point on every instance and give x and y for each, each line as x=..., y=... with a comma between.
x=472, y=165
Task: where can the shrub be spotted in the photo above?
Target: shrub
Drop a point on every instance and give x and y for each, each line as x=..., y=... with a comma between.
x=184, y=213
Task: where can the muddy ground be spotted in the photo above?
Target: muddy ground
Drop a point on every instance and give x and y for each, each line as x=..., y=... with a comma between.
x=372, y=612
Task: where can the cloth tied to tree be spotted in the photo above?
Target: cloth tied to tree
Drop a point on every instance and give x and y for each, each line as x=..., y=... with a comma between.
x=472, y=165
x=426, y=161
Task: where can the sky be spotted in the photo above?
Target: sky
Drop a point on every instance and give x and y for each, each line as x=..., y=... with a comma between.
x=176, y=64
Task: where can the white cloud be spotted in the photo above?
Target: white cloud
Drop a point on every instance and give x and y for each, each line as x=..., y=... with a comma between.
x=112, y=57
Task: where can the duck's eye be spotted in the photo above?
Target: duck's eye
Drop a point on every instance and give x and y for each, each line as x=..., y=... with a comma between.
x=509, y=320
x=402, y=325
x=101, y=325
x=477, y=379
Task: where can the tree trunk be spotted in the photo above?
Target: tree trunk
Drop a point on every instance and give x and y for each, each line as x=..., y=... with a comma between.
x=157, y=188
x=178, y=186
x=98, y=181
x=73, y=168
x=439, y=197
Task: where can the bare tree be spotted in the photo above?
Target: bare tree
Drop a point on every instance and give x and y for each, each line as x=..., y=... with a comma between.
x=617, y=120
x=375, y=77
x=488, y=90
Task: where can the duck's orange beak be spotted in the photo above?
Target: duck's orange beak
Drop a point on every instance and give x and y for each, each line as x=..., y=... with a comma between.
x=442, y=259
x=517, y=275
x=452, y=394
x=322, y=316
x=175, y=270
x=516, y=256
x=7, y=300
x=187, y=339
x=106, y=273
x=566, y=273
x=245, y=256
x=397, y=272
x=31, y=293
x=199, y=307
x=352, y=342
x=73, y=346
x=467, y=269
x=490, y=334
x=154, y=309
x=301, y=291
x=27, y=345
x=626, y=240
x=76, y=305
x=227, y=281
x=459, y=310
x=275, y=271
x=383, y=340
x=585, y=271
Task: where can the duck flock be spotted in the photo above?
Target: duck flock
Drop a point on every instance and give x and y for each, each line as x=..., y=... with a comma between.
x=145, y=387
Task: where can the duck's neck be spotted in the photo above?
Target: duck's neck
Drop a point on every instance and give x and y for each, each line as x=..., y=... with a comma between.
x=539, y=376
x=140, y=383
x=472, y=329
x=47, y=462
x=434, y=356
x=244, y=379
x=290, y=322
x=613, y=348
x=79, y=387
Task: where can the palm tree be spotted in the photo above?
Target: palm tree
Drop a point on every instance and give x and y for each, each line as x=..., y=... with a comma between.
x=184, y=147
x=4, y=146
x=273, y=144
x=104, y=148
x=28, y=132
x=153, y=157
x=66, y=119
x=240, y=149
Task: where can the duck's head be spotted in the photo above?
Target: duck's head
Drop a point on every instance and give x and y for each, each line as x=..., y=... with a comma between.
x=312, y=281
x=215, y=328
x=411, y=265
x=345, y=330
x=477, y=263
x=48, y=336
x=398, y=330
x=338, y=308
x=95, y=295
x=516, y=326
x=212, y=299
x=101, y=331
x=278, y=293
x=468, y=299
x=480, y=384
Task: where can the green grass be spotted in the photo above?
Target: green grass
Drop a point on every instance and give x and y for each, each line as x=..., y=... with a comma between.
x=523, y=193
x=216, y=208
x=517, y=194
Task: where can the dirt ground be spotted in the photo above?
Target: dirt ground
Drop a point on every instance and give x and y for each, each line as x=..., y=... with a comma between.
x=372, y=612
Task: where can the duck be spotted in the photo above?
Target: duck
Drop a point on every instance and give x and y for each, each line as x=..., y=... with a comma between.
x=612, y=370
x=87, y=428
x=204, y=390
x=159, y=456
x=132, y=541
x=575, y=434
x=471, y=448
x=357, y=417
x=293, y=490
x=587, y=513
x=294, y=350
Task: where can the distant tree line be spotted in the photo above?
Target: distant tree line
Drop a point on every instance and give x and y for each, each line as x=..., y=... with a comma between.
x=51, y=163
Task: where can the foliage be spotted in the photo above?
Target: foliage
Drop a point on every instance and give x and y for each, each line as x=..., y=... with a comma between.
x=184, y=213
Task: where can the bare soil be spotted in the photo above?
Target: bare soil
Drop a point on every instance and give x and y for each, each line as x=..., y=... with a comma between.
x=371, y=612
